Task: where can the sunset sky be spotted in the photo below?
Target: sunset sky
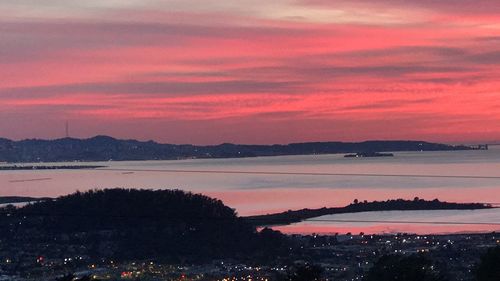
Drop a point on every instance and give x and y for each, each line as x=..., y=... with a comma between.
x=260, y=71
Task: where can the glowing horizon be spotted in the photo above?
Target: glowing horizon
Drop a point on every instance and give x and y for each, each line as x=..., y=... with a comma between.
x=208, y=72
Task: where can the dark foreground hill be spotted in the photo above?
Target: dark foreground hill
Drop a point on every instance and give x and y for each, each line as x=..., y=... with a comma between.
x=103, y=148
x=128, y=224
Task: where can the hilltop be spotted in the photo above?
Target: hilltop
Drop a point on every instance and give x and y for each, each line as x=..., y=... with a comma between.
x=128, y=224
x=104, y=148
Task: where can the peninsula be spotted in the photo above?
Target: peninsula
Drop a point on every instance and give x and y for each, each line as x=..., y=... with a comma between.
x=289, y=217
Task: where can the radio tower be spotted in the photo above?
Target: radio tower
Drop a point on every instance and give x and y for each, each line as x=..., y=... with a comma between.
x=67, y=129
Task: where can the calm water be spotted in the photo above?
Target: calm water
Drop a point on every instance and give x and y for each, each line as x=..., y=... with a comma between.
x=424, y=222
x=257, y=194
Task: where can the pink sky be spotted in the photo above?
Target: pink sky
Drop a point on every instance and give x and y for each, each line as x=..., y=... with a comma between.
x=211, y=71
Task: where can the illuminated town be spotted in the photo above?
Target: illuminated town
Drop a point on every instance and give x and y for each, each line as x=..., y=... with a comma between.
x=341, y=257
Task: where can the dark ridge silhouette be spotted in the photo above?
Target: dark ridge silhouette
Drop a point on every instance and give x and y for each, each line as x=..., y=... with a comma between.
x=132, y=224
x=104, y=148
x=290, y=216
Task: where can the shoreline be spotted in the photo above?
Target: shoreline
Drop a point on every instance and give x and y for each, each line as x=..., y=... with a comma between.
x=395, y=234
x=395, y=152
x=297, y=216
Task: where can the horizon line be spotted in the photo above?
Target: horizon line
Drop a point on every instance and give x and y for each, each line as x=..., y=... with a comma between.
x=454, y=143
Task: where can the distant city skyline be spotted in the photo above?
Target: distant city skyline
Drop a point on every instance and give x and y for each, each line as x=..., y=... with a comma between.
x=251, y=71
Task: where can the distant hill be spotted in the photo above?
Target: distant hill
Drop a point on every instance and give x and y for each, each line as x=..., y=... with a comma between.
x=133, y=224
x=20, y=199
x=104, y=148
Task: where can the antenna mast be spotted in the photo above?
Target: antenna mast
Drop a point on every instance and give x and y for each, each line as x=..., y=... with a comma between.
x=67, y=129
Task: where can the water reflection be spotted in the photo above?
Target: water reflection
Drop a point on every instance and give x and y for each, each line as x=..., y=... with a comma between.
x=258, y=194
x=436, y=222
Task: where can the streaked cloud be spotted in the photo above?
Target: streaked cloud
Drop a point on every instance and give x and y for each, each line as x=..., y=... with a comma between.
x=251, y=70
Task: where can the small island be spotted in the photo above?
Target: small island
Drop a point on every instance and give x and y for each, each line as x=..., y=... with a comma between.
x=368, y=154
x=417, y=204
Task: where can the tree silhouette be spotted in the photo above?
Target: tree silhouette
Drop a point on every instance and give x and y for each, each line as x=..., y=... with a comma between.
x=307, y=272
x=489, y=266
x=412, y=268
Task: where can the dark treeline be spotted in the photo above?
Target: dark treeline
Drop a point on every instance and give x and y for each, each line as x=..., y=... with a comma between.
x=413, y=267
x=422, y=268
x=128, y=224
x=47, y=167
x=103, y=148
x=290, y=216
x=408, y=268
